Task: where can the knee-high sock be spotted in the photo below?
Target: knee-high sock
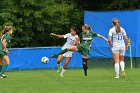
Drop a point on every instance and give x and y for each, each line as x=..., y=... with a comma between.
x=59, y=65
x=0, y=67
x=61, y=52
x=117, y=69
x=63, y=70
x=122, y=65
x=4, y=67
x=85, y=67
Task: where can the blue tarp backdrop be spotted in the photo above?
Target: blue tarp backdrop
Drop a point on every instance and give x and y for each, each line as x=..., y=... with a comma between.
x=30, y=58
x=101, y=22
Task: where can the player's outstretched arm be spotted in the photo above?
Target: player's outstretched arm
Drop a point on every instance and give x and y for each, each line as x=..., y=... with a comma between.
x=102, y=37
x=59, y=36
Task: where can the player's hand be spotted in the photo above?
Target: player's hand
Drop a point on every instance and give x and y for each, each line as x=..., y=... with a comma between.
x=52, y=34
x=126, y=47
x=111, y=45
x=6, y=51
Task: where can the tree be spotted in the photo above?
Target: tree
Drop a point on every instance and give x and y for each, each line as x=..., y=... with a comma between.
x=34, y=20
x=124, y=5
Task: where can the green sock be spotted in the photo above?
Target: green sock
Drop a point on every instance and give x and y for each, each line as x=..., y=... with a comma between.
x=62, y=52
x=4, y=67
x=0, y=67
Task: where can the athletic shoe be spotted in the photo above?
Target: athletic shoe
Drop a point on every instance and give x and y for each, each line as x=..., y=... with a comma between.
x=3, y=76
x=117, y=77
x=61, y=75
x=54, y=56
x=59, y=69
x=123, y=74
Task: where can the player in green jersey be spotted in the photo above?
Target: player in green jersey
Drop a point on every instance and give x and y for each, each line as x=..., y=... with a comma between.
x=86, y=38
x=4, y=43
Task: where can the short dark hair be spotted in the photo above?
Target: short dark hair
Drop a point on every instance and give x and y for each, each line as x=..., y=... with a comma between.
x=75, y=29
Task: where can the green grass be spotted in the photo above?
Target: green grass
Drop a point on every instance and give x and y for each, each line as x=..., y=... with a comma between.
x=99, y=80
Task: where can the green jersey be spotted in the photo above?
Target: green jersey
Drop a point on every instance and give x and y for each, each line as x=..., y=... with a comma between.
x=7, y=37
x=86, y=39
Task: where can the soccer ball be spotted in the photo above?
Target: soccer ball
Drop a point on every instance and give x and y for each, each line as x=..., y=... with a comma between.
x=45, y=60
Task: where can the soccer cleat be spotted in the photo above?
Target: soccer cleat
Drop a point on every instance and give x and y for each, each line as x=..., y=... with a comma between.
x=54, y=56
x=59, y=69
x=2, y=76
x=123, y=74
x=61, y=75
x=117, y=77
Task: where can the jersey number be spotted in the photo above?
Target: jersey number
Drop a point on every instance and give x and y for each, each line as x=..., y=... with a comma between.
x=120, y=37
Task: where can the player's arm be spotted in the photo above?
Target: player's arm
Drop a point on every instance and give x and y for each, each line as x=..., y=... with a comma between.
x=102, y=37
x=110, y=37
x=76, y=41
x=59, y=36
x=127, y=40
x=109, y=41
x=4, y=45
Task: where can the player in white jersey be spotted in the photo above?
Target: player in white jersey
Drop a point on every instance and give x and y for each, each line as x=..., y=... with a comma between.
x=116, y=38
x=72, y=40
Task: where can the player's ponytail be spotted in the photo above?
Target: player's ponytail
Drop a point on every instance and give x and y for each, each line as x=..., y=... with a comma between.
x=6, y=29
x=115, y=22
x=88, y=27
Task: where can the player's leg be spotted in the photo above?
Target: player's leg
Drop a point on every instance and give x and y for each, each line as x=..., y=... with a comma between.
x=84, y=63
x=85, y=54
x=68, y=56
x=1, y=60
x=115, y=51
x=122, y=63
x=116, y=66
x=1, y=63
x=5, y=65
x=72, y=48
x=59, y=59
x=65, y=66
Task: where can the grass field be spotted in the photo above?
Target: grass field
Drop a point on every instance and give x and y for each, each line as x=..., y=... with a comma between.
x=99, y=80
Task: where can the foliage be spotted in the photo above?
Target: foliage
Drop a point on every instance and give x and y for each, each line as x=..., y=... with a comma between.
x=33, y=20
x=124, y=5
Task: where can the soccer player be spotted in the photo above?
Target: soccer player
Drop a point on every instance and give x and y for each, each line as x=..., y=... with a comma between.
x=86, y=38
x=4, y=43
x=72, y=40
x=116, y=38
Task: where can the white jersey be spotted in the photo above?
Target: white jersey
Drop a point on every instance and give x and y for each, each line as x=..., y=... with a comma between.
x=70, y=40
x=117, y=38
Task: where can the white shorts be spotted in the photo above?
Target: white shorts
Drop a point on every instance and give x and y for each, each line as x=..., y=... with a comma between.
x=119, y=49
x=68, y=54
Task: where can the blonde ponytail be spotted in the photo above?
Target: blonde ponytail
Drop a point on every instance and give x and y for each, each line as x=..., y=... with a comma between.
x=115, y=22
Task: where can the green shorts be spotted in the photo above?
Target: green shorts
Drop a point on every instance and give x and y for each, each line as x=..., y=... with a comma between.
x=2, y=54
x=83, y=51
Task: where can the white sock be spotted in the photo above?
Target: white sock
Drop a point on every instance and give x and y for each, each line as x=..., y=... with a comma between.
x=63, y=70
x=117, y=69
x=122, y=65
x=59, y=65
